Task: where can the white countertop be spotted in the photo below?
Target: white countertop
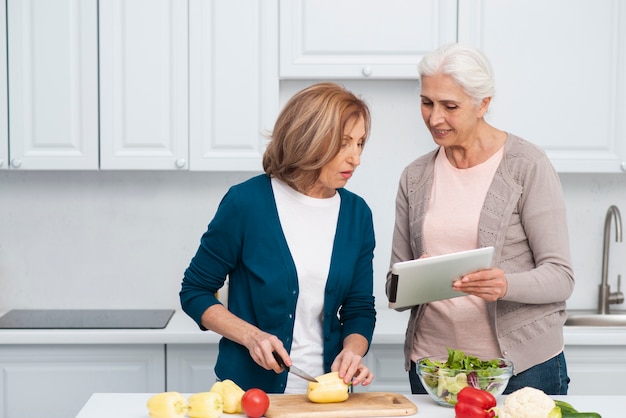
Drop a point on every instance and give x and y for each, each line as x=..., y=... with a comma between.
x=390, y=329
x=133, y=405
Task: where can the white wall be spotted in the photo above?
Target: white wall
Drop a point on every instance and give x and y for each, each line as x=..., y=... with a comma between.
x=123, y=239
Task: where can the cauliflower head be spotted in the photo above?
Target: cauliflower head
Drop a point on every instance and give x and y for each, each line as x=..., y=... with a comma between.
x=529, y=402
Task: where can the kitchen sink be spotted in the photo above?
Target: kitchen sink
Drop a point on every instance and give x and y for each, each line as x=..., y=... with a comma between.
x=594, y=319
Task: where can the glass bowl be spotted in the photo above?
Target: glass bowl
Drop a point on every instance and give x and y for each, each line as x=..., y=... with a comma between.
x=443, y=384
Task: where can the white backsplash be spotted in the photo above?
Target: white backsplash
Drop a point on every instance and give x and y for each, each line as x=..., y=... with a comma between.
x=123, y=239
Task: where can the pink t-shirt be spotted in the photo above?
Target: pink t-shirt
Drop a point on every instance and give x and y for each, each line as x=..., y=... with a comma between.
x=451, y=225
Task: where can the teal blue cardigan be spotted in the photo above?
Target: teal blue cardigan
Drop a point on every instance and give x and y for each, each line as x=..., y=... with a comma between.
x=245, y=243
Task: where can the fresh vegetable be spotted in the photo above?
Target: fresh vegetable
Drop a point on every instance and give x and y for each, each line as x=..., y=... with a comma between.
x=167, y=405
x=447, y=378
x=458, y=360
x=255, y=403
x=205, y=405
x=328, y=388
x=474, y=403
x=466, y=410
x=529, y=402
x=231, y=395
x=477, y=397
x=568, y=411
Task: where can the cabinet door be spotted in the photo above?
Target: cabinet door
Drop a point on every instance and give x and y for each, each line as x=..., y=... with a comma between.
x=361, y=39
x=53, y=83
x=190, y=367
x=55, y=381
x=386, y=361
x=560, y=76
x=233, y=82
x=596, y=370
x=143, y=84
x=4, y=115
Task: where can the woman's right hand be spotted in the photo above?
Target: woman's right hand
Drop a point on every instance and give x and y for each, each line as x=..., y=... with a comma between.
x=489, y=284
x=260, y=344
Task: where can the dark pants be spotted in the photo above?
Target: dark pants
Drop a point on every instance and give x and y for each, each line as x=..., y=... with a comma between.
x=550, y=376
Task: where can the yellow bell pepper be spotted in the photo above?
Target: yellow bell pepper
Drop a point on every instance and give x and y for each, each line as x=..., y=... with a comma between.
x=167, y=405
x=328, y=388
x=205, y=405
x=231, y=395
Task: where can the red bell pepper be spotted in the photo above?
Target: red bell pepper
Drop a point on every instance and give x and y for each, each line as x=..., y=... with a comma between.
x=475, y=403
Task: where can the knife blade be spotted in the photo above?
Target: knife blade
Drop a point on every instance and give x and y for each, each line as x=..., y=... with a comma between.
x=293, y=369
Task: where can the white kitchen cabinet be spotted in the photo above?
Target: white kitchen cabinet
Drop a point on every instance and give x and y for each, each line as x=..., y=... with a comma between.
x=55, y=381
x=143, y=84
x=187, y=85
x=361, y=39
x=560, y=71
x=233, y=82
x=4, y=115
x=53, y=84
x=386, y=361
x=596, y=370
x=190, y=367
x=108, y=84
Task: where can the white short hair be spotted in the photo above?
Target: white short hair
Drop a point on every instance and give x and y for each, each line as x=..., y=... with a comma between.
x=467, y=66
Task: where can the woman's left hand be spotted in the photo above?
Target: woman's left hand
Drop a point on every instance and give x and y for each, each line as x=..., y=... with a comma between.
x=490, y=284
x=349, y=364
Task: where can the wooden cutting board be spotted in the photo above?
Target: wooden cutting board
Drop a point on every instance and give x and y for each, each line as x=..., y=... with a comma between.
x=361, y=404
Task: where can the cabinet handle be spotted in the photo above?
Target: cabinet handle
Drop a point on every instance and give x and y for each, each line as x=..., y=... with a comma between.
x=16, y=163
x=181, y=163
x=367, y=71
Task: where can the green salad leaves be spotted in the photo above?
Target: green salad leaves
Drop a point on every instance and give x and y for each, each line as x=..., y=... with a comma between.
x=458, y=360
x=446, y=379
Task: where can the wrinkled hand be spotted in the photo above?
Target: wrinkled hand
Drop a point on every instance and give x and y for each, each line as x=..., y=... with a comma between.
x=490, y=284
x=350, y=367
x=261, y=346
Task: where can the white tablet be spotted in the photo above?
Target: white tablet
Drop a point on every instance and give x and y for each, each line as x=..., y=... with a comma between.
x=428, y=279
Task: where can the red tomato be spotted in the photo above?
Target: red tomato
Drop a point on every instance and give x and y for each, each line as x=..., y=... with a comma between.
x=255, y=403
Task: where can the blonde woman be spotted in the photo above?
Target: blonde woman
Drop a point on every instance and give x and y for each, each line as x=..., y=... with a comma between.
x=297, y=248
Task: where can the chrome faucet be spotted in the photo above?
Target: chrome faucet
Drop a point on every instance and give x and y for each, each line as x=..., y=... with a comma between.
x=607, y=298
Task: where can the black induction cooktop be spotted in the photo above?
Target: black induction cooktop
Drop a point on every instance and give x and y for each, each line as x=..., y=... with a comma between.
x=86, y=319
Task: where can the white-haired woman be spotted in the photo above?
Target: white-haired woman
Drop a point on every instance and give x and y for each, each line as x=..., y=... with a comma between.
x=480, y=187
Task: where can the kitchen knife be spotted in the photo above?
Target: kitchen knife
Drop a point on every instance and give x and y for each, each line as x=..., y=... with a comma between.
x=293, y=369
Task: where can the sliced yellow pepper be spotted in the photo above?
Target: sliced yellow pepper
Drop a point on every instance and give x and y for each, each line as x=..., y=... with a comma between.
x=231, y=395
x=167, y=405
x=329, y=388
x=205, y=405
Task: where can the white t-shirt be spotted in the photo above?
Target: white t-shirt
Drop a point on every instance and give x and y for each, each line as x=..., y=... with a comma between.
x=309, y=225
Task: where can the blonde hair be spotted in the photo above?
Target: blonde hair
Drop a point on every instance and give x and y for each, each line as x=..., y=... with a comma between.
x=309, y=131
